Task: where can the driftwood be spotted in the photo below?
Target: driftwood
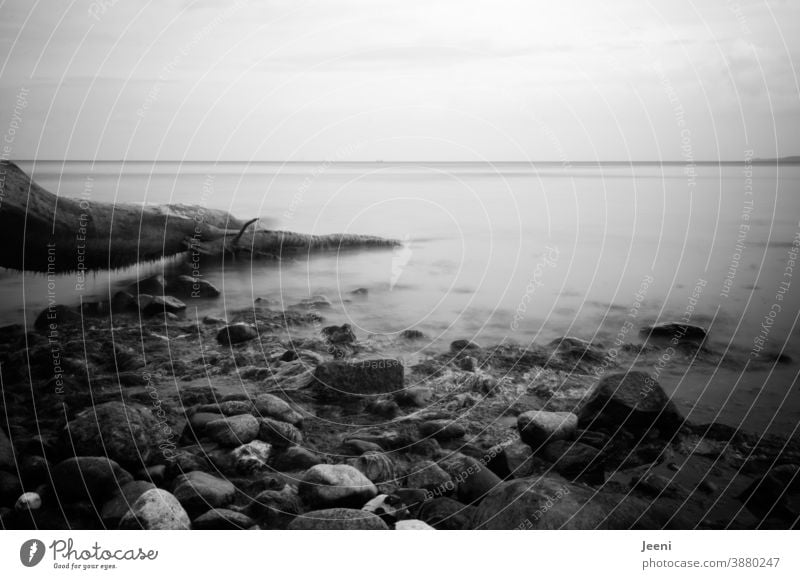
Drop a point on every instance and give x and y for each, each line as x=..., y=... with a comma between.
x=40, y=231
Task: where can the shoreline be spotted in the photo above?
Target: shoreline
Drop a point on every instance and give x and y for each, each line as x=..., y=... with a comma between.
x=274, y=416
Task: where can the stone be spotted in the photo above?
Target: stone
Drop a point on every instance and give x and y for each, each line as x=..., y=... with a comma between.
x=158, y=510
x=297, y=458
x=279, y=434
x=326, y=485
x=442, y=430
x=341, y=335
x=338, y=519
x=10, y=487
x=7, y=460
x=222, y=520
x=551, y=502
x=412, y=525
x=576, y=350
x=214, y=320
x=196, y=425
x=275, y=508
x=576, y=460
x=428, y=475
x=122, y=302
x=776, y=494
x=631, y=401
x=376, y=466
x=445, y=514
x=357, y=446
x=194, y=287
x=473, y=479
x=197, y=491
x=359, y=291
x=270, y=406
x=152, y=285
x=676, y=333
x=88, y=477
x=233, y=430
x=252, y=458
x=463, y=347
x=28, y=502
x=657, y=486
x=390, y=508
x=537, y=427
x=419, y=396
x=512, y=460
x=155, y=305
x=412, y=335
x=121, y=501
x=236, y=334
x=336, y=379
x=55, y=316
x=226, y=408
x=125, y=433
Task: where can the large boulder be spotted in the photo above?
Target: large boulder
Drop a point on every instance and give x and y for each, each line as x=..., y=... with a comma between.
x=198, y=491
x=279, y=434
x=631, y=401
x=126, y=433
x=336, y=485
x=237, y=334
x=538, y=427
x=676, y=333
x=428, y=475
x=337, y=379
x=233, y=430
x=338, y=520
x=551, y=502
x=88, y=477
x=154, y=305
x=157, y=510
x=122, y=500
x=472, y=478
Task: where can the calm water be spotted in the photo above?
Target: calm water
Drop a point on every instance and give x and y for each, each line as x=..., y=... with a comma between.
x=504, y=252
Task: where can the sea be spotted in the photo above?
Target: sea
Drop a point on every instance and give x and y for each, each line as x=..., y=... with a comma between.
x=503, y=253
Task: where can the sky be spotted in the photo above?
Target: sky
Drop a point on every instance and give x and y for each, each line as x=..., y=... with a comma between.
x=433, y=80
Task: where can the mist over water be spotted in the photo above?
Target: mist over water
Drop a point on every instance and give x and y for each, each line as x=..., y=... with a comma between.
x=502, y=252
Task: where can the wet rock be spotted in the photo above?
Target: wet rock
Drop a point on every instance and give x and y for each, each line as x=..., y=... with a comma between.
x=657, y=486
x=538, y=427
x=274, y=509
x=55, y=316
x=336, y=379
x=631, y=401
x=412, y=335
x=776, y=494
x=236, y=334
x=419, y=396
x=677, y=333
x=251, y=458
x=126, y=433
x=154, y=285
x=196, y=425
x=428, y=475
x=297, y=458
x=357, y=446
x=156, y=509
x=359, y=291
x=233, y=430
x=468, y=364
x=340, y=335
x=317, y=302
x=326, y=485
x=412, y=525
x=376, y=466
x=554, y=503
x=463, y=347
x=121, y=501
x=214, y=320
x=338, y=519
x=512, y=460
x=270, y=406
x=576, y=461
x=442, y=429
x=92, y=477
x=29, y=501
x=222, y=520
x=279, y=434
x=197, y=491
x=122, y=302
x=194, y=287
x=445, y=514
x=576, y=350
x=155, y=305
x=472, y=478
x=183, y=461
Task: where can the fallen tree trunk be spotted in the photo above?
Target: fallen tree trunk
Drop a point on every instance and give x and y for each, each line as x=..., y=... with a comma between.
x=40, y=231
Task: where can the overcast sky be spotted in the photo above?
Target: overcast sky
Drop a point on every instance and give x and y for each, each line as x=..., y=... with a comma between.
x=399, y=79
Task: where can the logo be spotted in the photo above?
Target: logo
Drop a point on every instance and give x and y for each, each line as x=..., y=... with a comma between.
x=32, y=552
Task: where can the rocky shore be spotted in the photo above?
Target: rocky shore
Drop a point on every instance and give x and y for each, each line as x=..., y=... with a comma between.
x=136, y=414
